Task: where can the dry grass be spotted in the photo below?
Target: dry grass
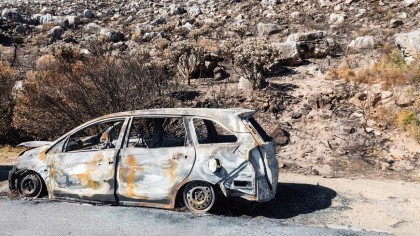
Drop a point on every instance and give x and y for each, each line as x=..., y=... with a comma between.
x=408, y=121
x=390, y=71
x=9, y=154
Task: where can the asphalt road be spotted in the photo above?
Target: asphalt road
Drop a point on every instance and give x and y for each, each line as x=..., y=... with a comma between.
x=43, y=217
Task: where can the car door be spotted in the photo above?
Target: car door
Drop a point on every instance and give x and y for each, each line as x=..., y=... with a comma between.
x=155, y=159
x=85, y=168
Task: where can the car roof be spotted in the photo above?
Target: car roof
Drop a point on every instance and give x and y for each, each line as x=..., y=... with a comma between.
x=227, y=117
x=214, y=113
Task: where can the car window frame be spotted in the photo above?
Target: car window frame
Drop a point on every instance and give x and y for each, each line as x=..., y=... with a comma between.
x=126, y=140
x=196, y=143
x=117, y=146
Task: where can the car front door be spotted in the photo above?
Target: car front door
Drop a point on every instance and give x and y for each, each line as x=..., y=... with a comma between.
x=85, y=167
x=157, y=156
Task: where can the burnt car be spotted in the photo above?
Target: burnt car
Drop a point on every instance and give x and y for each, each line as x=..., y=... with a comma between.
x=154, y=158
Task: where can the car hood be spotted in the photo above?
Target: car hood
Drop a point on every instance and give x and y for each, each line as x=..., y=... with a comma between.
x=35, y=144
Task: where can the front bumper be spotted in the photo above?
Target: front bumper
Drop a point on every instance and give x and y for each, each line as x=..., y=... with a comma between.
x=13, y=177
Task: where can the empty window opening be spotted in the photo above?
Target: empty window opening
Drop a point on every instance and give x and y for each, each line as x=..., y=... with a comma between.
x=157, y=133
x=103, y=135
x=208, y=131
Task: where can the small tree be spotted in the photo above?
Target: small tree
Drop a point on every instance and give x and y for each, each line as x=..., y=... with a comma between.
x=190, y=58
x=251, y=58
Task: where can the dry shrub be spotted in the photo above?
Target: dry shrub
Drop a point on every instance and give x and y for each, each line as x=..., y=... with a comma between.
x=190, y=58
x=8, y=78
x=64, y=92
x=251, y=58
x=161, y=43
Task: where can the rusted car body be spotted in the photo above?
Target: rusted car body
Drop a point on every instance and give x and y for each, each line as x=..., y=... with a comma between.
x=153, y=158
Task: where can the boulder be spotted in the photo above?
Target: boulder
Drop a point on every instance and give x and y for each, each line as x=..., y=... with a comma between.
x=267, y=29
x=245, y=84
x=88, y=13
x=361, y=43
x=112, y=35
x=336, y=19
x=409, y=44
x=410, y=3
x=12, y=15
x=289, y=54
x=194, y=11
x=176, y=9
x=93, y=28
x=56, y=32
x=219, y=73
x=44, y=19
x=313, y=44
x=265, y=3
x=309, y=36
x=394, y=23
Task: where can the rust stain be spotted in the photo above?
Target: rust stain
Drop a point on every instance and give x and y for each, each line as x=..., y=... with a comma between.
x=43, y=155
x=131, y=174
x=85, y=179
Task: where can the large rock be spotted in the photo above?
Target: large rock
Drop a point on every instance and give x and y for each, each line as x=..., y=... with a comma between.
x=337, y=19
x=176, y=9
x=112, y=35
x=245, y=84
x=289, y=54
x=312, y=44
x=56, y=32
x=361, y=43
x=93, y=28
x=310, y=36
x=194, y=11
x=409, y=44
x=410, y=3
x=267, y=29
x=12, y=15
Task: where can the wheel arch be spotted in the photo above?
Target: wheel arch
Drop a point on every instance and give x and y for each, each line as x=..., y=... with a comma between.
x=15, y=174
x=177, y=199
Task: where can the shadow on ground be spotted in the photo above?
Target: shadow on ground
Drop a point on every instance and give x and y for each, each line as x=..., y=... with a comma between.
x=4, y=172
x=291, y=200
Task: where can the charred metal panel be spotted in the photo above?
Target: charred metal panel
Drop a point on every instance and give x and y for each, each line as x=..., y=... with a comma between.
x=84, y=174
x=152, y=174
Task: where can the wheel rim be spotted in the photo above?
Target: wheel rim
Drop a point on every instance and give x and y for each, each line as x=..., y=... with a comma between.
x=30, y=185
x=199, y=197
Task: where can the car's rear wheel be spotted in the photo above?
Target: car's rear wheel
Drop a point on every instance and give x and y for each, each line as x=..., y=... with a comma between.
x=30, y=185
x=199, y=196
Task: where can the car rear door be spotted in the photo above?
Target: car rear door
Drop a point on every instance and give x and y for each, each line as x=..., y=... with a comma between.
x=85, y=168
x=157, y=156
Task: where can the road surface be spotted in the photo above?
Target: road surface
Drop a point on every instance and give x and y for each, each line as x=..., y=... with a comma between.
x=42, y=217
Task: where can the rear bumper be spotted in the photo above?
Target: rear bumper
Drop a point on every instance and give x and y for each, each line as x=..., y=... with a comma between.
x=260, y=191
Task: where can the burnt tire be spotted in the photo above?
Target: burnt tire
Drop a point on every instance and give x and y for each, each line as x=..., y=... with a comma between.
x=30, y=185
x=199, y=196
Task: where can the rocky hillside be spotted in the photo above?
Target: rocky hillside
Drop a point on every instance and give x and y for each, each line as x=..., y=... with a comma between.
x=337, y=83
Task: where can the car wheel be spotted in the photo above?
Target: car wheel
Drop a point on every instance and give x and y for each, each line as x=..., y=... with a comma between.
x=30, y=185
x=199, y=196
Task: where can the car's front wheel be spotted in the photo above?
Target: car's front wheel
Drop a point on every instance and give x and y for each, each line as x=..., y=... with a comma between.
x=30, y=185
x=199, y=196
